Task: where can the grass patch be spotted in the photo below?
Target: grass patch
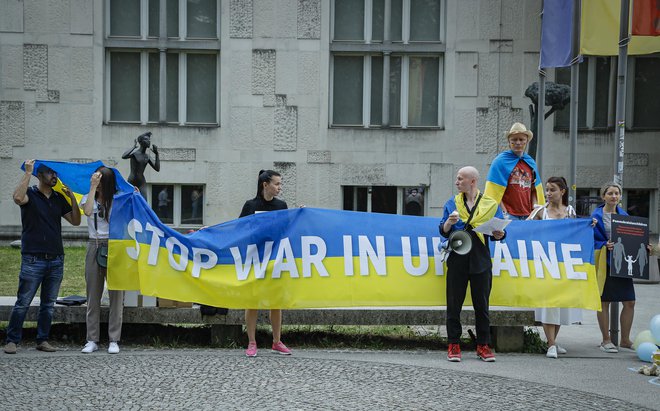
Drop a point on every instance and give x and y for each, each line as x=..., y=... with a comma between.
x=74, y=271
x=354, y=337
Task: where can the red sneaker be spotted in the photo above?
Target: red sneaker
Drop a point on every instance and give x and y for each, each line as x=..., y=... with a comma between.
x=454, y=353
x=484, y=352
x=280, y=348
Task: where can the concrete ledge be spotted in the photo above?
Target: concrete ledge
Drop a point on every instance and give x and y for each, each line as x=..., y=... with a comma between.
x=325, y=316
x=507, y=325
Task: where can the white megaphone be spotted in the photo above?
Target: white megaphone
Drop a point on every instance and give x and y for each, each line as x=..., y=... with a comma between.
x=459, y=242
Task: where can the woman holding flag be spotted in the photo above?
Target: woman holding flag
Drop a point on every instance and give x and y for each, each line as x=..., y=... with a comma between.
x=96, y=206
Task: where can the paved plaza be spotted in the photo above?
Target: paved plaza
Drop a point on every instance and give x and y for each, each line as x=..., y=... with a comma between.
x=170, y=379
x=225, y=379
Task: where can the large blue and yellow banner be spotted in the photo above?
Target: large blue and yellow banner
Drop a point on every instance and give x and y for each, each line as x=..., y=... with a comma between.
x=315, y=258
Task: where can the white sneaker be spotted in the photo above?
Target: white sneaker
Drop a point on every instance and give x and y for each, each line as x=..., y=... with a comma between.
x=561, y=350
x=113, y=348
x=90, y=347
x=552, y=352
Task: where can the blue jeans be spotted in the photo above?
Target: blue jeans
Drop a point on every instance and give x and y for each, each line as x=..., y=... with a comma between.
x=36, y=271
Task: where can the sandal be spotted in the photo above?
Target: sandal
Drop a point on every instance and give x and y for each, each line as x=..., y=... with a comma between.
x=609, y=348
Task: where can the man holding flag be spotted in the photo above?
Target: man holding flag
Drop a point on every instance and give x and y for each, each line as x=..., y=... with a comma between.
x=42, y=251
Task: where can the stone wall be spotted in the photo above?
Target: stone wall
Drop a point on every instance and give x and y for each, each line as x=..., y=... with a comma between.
x=274, y=102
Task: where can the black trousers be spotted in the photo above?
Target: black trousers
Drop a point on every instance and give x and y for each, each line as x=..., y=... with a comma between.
x=480, y=285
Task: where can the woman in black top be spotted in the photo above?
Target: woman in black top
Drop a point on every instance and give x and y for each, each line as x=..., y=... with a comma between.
x=269, y=185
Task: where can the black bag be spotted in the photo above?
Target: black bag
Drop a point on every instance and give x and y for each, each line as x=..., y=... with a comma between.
x=102, y=256
x=72, y=300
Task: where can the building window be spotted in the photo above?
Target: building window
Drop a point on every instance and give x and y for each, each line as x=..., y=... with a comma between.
x=597, y=94
x=636, y=202
x=178, y=204
x=393, y=80
x=385, y=199
x=586, y=201
x=172, y=78
x=596, y=105
x=644, y=75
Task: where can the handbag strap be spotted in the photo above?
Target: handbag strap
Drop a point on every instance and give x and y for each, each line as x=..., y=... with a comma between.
x=467, y=223
x=96, y=224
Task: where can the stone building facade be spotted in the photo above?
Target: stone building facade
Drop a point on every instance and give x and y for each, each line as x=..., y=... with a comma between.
x=229, y=87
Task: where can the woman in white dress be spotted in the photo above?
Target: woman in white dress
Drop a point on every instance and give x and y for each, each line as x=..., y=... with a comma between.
x=556, y=194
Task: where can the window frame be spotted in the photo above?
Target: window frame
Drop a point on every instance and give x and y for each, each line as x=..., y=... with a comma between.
x=405, y=49
x=176, y=203
x=591, y=62
x=400, y=197
x=594, y=193
x=144, y=45
x=611, y=106
x=630, y=94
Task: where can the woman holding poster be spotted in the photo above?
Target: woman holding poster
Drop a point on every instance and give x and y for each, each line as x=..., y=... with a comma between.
x=269, y=185
x=613, y=289
x=557, y=207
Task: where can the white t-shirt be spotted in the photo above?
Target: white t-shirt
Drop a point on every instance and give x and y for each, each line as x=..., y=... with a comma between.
x=103, y=227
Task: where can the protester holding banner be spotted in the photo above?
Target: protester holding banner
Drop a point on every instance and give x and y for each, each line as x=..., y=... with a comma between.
x=42, y=251
x=613, y=289
x=96, y=206
x=556, y=208
x=513, y=180
x=466, y=211
x=269, y=185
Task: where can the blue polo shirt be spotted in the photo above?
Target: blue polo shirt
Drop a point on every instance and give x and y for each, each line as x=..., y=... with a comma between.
x=42, y=222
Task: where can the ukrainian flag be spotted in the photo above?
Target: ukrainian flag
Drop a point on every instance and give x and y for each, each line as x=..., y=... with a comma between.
x=77, y=177
x=500, y=170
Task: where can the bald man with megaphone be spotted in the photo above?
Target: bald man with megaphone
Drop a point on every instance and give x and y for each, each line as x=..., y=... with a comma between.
x=469, y=260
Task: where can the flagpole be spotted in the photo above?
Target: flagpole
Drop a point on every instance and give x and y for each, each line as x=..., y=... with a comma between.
x=620, y=130
x=622, y=68
x=573, y=119
x=540, y=113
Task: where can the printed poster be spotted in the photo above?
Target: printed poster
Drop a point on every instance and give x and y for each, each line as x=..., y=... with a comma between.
x=630, y=257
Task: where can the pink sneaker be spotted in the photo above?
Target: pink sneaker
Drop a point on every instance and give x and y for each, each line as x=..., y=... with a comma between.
x=251, y=350
x=280, y=348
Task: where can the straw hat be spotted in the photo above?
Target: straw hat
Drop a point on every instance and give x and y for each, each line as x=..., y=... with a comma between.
x=519, y=128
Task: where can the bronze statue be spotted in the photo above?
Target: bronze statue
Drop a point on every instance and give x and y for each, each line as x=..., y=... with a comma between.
x=139, y=160
x=556, y=95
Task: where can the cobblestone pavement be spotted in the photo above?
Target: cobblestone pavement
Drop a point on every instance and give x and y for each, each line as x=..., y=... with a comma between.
x=225, y=379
